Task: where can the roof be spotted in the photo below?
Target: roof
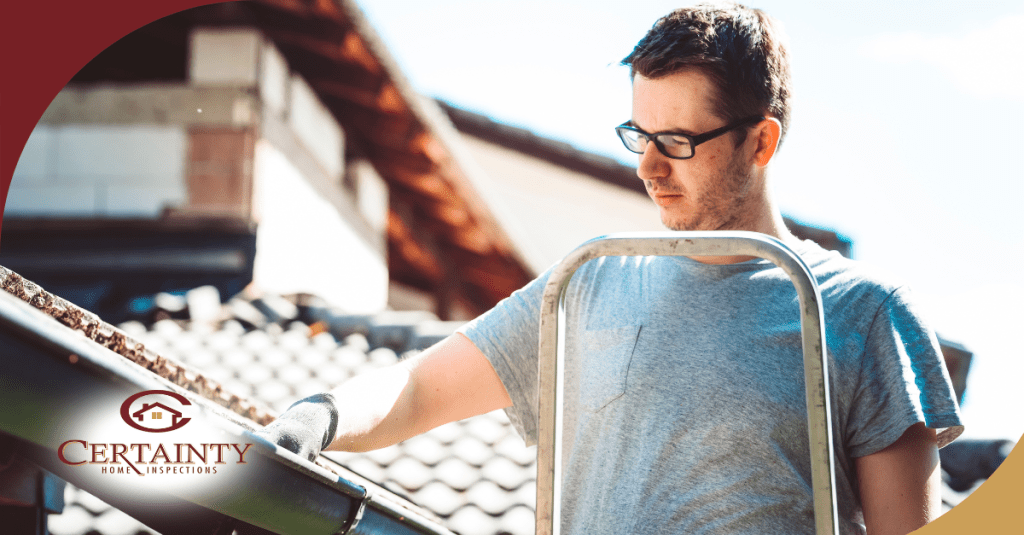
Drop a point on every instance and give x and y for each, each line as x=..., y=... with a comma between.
x=264, y=353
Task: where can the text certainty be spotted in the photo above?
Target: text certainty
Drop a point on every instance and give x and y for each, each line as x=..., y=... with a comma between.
x=146, y=454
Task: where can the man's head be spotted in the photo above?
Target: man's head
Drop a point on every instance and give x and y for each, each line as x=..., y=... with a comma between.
x=698, y=73
x=739, y=48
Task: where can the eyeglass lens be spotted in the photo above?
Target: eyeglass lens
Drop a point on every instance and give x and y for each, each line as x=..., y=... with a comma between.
x=669, y=144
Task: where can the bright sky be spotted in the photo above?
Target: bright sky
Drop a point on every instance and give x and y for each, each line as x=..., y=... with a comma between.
x=905, y=133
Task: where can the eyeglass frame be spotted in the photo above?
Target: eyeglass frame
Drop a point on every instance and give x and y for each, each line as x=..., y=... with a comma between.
x=693, y=139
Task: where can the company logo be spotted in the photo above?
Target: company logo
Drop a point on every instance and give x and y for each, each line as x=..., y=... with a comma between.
x=154, y=411
x=162, y=417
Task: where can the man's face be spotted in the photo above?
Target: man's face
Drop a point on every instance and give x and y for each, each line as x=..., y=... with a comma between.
x=713, y=190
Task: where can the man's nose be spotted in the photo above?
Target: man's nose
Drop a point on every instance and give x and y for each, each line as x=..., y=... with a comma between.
x=653, y=164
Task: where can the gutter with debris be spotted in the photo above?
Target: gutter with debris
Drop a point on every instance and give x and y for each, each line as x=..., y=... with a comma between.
x=47, y=367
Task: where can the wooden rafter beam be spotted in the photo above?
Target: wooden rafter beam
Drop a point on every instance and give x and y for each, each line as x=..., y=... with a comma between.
x=387, y=130
x=348, y=49
x=447, y=220
x=386, y=159
x=497, y=265
x=403, y=238
x=327, y=10
x=384, y=99
x=425, y=185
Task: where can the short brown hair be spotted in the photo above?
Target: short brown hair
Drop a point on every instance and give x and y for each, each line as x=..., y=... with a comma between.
x=740, y=48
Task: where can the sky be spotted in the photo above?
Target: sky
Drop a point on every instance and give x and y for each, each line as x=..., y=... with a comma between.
x=903, y=136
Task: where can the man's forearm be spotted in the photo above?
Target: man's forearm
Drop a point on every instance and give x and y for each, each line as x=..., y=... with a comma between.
x=376, y=409
x=450, y=381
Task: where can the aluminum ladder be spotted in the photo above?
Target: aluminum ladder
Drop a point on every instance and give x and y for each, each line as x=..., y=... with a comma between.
x=719, y=243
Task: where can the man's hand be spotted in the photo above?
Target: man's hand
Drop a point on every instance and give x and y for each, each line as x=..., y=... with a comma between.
x=307, y=427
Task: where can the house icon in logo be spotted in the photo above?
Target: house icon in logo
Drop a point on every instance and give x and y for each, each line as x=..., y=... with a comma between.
x=154, y=413
x=155, y=417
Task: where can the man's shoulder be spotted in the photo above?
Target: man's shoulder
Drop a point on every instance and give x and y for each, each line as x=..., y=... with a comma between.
x=842, y=278
x=847, y=280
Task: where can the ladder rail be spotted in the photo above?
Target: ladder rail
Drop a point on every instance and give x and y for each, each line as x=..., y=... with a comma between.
x=718, y=243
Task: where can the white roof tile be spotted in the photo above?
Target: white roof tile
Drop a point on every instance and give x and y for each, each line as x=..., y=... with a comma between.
x=409, y=472
x=472, y=521
x=427, y=448
x=439, y=498
x=472, y=450
x=489, y=497
x=75, y=520
x=456, y=473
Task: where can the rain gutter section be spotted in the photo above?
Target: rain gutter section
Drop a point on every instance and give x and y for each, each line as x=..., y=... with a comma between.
x=47, y=369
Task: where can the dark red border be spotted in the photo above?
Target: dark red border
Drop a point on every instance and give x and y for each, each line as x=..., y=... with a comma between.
x=43, y=44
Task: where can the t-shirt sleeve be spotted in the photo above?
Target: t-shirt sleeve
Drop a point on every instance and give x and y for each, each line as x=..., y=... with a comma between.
x=903, y=381
x=508, y=335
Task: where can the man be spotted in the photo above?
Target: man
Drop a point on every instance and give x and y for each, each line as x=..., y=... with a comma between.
x=685, y=408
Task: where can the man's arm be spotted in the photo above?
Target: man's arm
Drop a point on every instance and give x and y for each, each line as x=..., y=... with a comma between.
x=450, y=381
x=899, y=485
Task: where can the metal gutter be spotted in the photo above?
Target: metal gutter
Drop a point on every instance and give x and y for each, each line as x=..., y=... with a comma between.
x=49, y=373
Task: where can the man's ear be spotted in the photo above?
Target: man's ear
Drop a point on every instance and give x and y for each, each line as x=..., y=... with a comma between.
x=768, y=134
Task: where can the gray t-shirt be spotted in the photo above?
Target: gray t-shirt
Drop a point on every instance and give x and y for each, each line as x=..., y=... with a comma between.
x=685, y=408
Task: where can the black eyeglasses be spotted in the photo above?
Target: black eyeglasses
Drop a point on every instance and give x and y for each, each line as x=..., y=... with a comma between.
x=675, y=145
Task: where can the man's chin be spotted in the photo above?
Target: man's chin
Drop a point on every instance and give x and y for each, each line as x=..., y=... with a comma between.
x=674, y=222
x=675, y=225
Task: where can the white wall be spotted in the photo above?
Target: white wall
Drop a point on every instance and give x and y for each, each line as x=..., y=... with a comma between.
x=304, y=245
x=316, y=127
x=99, y=170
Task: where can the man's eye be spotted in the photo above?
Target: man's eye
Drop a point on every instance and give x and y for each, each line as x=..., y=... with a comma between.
x=674, y=141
